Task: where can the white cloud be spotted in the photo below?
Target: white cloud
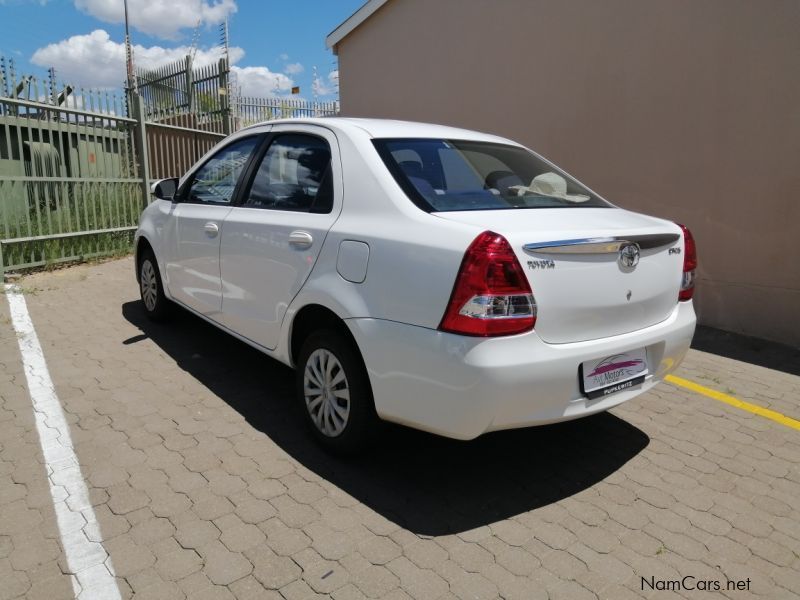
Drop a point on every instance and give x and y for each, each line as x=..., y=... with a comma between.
x=294, y=68
x=162, y=18
x=71, y=56
x=322, y=87
x=95, y=60
x=260, y=81
x=284, y=56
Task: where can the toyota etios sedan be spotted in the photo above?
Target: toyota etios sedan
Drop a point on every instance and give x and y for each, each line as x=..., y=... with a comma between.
x=444, y=279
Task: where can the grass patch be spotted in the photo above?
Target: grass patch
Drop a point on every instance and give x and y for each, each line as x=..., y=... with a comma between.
x=43, y=209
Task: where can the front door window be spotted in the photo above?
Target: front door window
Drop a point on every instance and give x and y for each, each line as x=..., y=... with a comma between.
x=215, y=182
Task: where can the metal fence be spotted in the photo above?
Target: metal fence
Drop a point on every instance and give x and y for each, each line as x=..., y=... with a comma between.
x=76, y=165
x=186, y=111
x=248, y=111
x=70, y=186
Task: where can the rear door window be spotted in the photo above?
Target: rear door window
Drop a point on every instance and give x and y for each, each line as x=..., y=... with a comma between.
x=294, y=175
x=453, y=175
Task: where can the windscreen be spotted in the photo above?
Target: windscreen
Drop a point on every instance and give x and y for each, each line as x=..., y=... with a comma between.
x=452, y=175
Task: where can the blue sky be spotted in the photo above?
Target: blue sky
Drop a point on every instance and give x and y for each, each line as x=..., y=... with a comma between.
x=275, y=44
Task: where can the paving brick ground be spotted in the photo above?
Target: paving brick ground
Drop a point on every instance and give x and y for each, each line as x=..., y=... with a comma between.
x=206, y=486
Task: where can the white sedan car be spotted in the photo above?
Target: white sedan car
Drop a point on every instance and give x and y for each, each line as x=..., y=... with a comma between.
x=445, y=279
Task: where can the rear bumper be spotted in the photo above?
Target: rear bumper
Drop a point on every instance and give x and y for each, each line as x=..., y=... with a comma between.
x=461, y=387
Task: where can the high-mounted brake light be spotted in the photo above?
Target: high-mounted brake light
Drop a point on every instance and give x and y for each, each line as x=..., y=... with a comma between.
x=491, y=295
x=689, y=264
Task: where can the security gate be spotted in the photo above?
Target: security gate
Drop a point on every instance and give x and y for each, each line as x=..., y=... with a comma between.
x=70, y=186
x=76, y=165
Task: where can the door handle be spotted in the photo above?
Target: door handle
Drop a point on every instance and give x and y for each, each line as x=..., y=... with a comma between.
x=300, y=239
x=211, y=229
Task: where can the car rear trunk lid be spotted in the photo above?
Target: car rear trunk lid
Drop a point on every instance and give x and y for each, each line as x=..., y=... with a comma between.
x=588, y=279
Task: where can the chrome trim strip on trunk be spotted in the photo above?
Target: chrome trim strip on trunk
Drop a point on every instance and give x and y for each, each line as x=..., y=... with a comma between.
x=602, y=245
x=578, y=246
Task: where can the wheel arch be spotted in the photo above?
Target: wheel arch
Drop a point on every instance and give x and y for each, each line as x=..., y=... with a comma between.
x=310, y=318
x=142, y=244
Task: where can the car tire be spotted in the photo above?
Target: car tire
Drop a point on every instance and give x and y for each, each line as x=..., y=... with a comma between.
x=151, y=290
x=342, y=416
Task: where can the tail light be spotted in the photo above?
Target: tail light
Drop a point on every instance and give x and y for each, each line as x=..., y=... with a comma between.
x=689, y=264
x=491, y=295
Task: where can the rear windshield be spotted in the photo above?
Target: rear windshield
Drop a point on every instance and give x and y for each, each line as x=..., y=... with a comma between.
x=451, y=175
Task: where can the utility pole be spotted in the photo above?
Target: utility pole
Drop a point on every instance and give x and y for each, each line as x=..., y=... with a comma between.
x=136, y=110
x=228, y=106
x=129, y=53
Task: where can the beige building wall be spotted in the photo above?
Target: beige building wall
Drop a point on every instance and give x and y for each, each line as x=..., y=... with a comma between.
x=685, y=109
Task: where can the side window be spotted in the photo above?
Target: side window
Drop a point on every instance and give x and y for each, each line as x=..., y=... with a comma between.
x=295, y=174
x=216, y=180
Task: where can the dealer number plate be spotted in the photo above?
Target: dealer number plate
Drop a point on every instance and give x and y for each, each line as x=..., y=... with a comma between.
x=604, y=376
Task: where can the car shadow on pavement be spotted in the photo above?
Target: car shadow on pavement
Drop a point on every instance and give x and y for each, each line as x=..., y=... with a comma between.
x=424, y=483
x=764, y=353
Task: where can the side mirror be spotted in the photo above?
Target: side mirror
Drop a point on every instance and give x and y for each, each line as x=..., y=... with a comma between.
x=164, y=189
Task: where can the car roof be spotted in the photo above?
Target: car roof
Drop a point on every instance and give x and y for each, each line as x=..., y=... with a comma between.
x=390, y=128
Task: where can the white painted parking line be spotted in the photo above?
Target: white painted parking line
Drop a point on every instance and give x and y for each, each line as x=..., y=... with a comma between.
x=88, y=563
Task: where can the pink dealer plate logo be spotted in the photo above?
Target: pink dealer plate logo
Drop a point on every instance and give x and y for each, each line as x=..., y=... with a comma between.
x=612, y=363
